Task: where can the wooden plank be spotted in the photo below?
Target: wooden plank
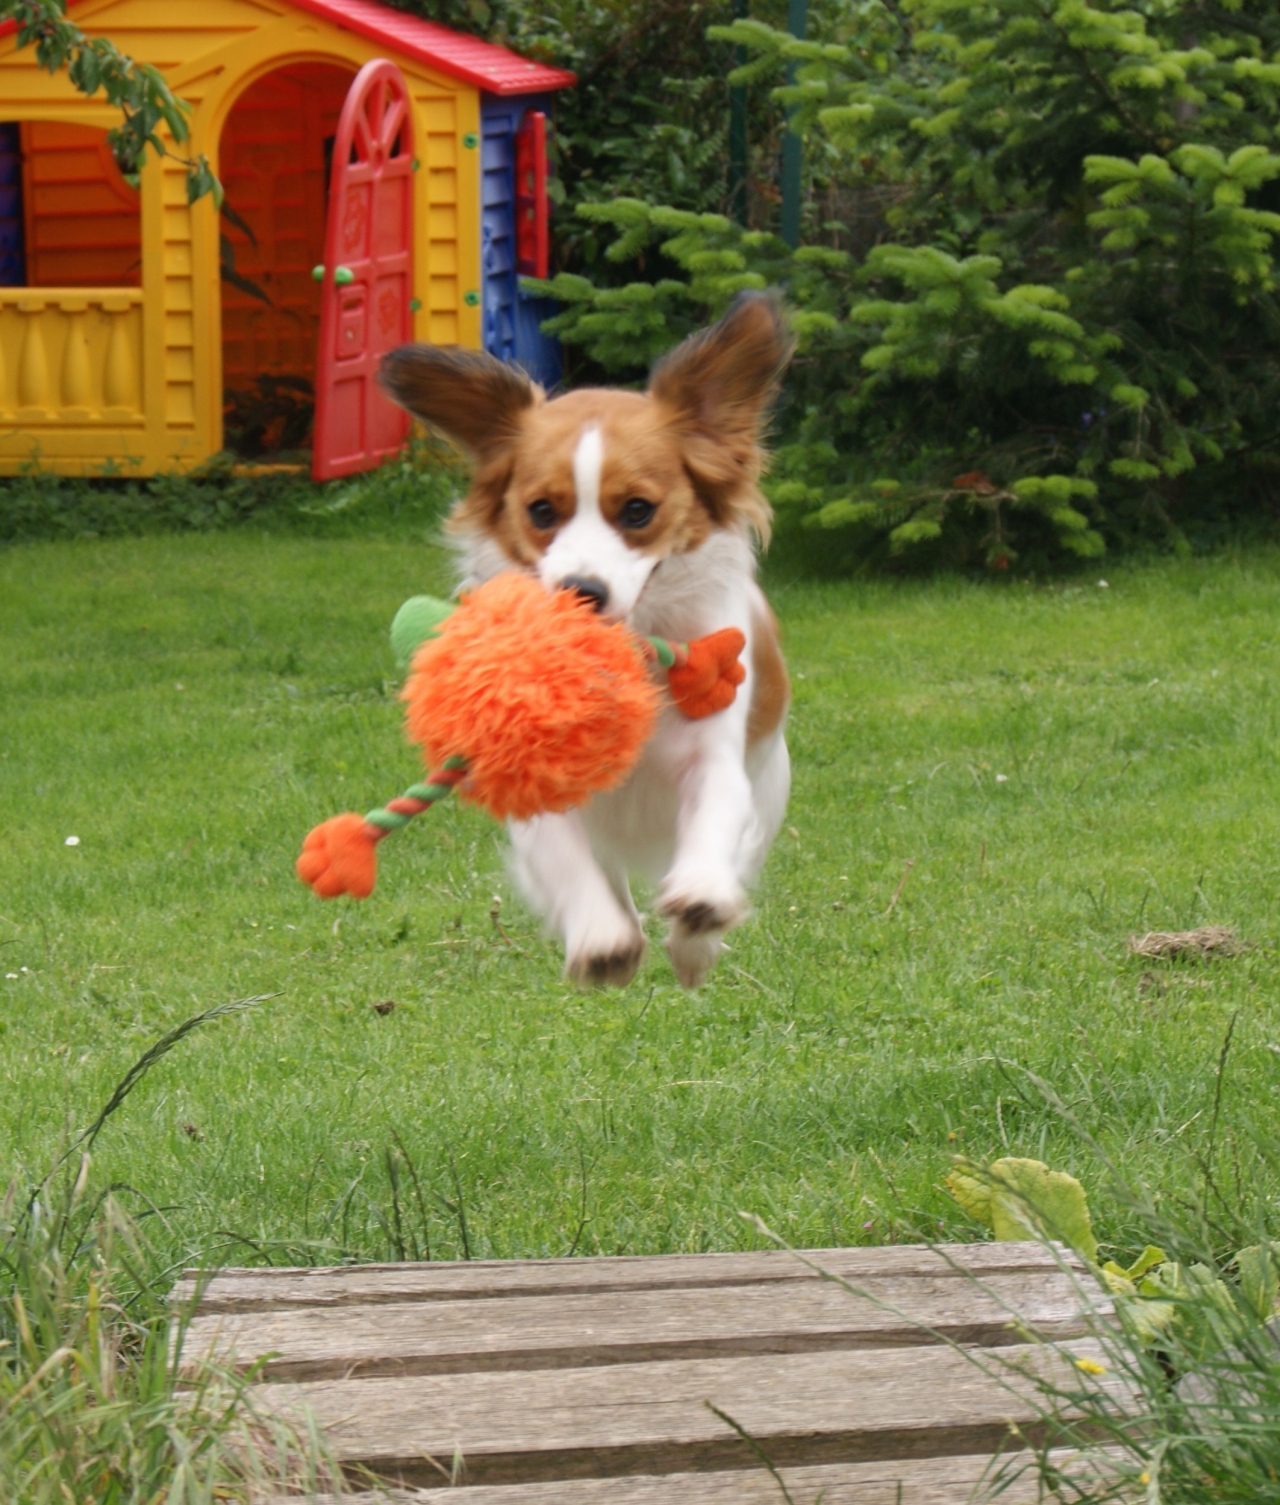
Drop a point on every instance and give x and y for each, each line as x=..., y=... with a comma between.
x=918, y=1481
x=245, y=1290
x=655, y=1419
x=624, y=1327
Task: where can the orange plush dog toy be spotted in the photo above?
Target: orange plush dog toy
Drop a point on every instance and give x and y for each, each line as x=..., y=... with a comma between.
x=526, y=703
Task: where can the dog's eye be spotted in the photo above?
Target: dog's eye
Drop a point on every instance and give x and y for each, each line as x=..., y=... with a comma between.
x=636, y=513
x=542, y=514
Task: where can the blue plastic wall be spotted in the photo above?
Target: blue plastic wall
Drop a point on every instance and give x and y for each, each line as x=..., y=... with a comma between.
x=511, y=318
x=13, y=272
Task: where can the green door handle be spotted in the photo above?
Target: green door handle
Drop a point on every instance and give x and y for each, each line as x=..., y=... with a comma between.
x=342, y=277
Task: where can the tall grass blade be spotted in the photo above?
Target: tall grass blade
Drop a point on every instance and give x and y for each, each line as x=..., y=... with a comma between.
x=151, y=1056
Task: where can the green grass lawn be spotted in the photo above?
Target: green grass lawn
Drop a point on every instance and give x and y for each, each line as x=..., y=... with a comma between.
x=1063, y=765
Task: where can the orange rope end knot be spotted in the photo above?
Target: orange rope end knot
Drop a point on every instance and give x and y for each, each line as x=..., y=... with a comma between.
x=709, y=681
x=340, y=857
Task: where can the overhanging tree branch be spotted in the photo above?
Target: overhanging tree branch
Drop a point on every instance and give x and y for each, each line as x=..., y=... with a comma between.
x=137, y=90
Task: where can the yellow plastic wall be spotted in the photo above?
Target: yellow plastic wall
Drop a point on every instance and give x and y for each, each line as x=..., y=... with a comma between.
x=125, y=381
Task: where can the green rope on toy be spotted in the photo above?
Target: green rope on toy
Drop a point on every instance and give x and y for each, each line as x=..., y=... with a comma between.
x=397, y=813
x=339, y=855
x=670, y=655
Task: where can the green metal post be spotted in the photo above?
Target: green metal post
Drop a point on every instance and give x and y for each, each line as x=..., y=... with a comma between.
x=797, y=25
x=738, y=131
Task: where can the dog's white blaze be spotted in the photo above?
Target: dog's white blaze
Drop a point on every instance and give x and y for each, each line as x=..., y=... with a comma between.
x=590, y=547
x=588, y=463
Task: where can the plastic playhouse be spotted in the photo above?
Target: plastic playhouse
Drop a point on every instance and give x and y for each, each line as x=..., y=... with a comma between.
x=385, y=181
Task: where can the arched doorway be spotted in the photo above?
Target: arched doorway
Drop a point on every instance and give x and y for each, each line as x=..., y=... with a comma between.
x=274, y=165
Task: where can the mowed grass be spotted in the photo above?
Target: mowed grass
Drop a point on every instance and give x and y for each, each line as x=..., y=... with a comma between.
x=1050, y=768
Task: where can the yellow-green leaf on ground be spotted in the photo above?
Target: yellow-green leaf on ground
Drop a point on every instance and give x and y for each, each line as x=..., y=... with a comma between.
x=1019, y=1198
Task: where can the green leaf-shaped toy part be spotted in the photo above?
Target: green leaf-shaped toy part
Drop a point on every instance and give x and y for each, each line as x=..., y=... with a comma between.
x=417, y=620
x=1020, y=1199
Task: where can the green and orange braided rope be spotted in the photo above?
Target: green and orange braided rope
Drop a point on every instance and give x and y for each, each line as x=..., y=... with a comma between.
x=339, y=855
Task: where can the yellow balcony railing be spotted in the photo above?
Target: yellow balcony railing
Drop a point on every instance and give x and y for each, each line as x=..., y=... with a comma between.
x=70, y=357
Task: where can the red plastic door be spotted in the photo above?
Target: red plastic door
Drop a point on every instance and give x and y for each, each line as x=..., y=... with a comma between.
x=367, y=277
x=533, y=237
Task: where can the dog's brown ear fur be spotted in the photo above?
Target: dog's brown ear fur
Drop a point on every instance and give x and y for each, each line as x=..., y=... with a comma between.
x=466, y=395
x=717, y=387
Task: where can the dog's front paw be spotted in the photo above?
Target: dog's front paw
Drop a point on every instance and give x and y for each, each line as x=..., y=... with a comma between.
x=607, y=969
x=702, y=905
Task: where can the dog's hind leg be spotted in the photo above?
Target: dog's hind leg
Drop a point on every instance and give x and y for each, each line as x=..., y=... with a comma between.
x=769, y=767
x=562, y=881
x=695, y=947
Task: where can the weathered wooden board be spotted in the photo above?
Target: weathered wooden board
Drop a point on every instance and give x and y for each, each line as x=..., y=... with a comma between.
x=613, y=1381
x=657, y=1418
x=919, y=1481
x=550, y=1332
x=366, y=1285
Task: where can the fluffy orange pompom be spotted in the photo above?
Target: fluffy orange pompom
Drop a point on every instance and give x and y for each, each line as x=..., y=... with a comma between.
x=548, y=703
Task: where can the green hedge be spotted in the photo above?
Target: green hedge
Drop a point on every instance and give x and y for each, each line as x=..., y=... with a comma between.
x=405, y=496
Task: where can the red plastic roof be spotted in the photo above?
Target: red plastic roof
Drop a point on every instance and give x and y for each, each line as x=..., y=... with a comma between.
x=497, y=70
x=494, y=69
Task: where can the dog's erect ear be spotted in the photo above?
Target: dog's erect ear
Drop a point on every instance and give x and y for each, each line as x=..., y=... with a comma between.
x=719, y=382
x=716, y=388
x=467, y=395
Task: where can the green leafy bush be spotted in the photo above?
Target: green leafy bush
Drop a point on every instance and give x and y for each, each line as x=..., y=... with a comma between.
x=1018, y=1198
x=1192, y=1337
x=1060, y=329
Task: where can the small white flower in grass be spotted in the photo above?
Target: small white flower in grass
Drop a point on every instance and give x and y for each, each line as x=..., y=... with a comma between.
x=11, y=977
x=1002, y=778
x=71, y=841
x=1102, y=585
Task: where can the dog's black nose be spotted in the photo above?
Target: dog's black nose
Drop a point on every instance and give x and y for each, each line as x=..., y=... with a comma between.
x=590, y=589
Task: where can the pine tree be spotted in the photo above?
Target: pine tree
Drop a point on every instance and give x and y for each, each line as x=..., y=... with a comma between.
x=1068, y=330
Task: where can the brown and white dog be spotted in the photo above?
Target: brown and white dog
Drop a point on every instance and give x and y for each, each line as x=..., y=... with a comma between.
x=649, y=505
